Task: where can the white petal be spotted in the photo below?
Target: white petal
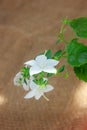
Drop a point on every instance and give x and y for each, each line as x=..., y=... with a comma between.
x=33, y=85
x=38, y=95
x=31, y=78
x=26, y=86
x=16, y=82
x=41, y=59
x=30, y=94
x=48, y=88
x=16, y=78
x=35, y=70
x=51, y=62
x=18, y=74
x=49, y=69
x=31, y=62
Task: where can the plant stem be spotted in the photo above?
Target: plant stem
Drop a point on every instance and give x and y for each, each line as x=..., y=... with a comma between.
x=61, y=35
x=45, y=97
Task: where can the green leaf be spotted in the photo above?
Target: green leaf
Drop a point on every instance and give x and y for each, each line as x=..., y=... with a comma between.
x=57, y=55
x=36, y=81
x=80, y=26
x=58, y=41
x=66, y=21
x=25, y=81
x=81, y=72
x=49, y=75
x=48, y=54
x=45, y=82
x=61, y=69
x=25, y=72
x=76, y=53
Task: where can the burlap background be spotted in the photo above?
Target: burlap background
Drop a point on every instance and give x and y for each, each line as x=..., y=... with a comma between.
x=28, y=27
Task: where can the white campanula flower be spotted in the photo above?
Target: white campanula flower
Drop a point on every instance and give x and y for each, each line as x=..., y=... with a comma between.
x=41, y=63
x=19, y=80
x=38, y=91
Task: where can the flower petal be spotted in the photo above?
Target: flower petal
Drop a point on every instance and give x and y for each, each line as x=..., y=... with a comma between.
x=26, y=86
x=49, y=69
x=33, y=85
x=48, y=88
x=51, y=62
x=35, y=70
x=38, y=95
x=31, y=62
x=41, y=59
x=16, y=79
x=30, y=94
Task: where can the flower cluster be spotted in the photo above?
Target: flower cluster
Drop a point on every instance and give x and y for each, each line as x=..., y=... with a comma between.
x=35, y=73
x=33, y=76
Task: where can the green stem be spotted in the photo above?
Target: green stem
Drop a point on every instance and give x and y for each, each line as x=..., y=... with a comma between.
x=61, y=35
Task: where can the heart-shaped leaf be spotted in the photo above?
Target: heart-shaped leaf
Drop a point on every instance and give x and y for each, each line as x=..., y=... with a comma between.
x=76, y=53
x=81, y=72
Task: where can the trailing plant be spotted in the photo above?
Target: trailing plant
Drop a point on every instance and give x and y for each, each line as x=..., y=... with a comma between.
x=34, y=75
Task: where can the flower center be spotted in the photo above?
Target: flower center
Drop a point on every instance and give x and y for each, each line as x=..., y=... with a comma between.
x=42, y=65
x=42, y=86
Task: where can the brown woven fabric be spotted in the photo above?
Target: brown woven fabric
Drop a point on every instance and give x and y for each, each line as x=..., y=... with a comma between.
x=28, y=27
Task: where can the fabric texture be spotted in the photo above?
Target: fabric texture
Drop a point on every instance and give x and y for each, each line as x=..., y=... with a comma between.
x=28, y=27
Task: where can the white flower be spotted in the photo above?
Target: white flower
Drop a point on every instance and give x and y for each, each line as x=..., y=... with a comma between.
x=18, y=80
x=37, y=91
x=41, y=63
